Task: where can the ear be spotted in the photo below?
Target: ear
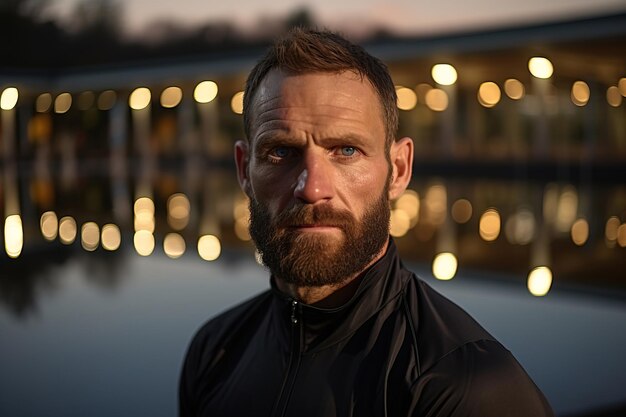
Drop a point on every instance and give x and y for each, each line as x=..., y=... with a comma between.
x=401, y=155
x=242, y=161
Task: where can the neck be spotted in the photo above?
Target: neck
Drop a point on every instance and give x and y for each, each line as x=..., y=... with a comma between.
x=327, y=296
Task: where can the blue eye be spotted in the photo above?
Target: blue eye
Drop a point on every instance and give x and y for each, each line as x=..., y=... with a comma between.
x=348, y=151
x=281, y=152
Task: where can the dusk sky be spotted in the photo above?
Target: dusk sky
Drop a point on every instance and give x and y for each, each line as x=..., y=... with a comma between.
x=403, y=16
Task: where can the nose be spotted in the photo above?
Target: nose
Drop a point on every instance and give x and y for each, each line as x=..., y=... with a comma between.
x=315, y=180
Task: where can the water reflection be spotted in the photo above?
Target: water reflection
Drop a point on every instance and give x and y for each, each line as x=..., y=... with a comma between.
x=24, y=280
x=521, y=226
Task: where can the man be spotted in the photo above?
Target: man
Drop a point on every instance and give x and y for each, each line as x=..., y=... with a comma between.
x=345, y=330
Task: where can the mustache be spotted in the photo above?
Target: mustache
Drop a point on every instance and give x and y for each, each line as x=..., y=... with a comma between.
x=314, y=214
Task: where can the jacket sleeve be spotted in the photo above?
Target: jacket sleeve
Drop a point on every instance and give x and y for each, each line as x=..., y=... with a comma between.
x=479, y=379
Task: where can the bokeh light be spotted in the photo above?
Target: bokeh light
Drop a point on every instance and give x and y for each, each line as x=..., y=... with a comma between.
x=63, y=103
x=621, y=235
x=540, y=281
x=444, y=74
x=49, y=225
x=436, y=203
x=140, y=98
x=409, y=202
x=461, y=210
x=580, y=93
x=111, y=237
x=621, y=86
x=444, y=266
x=144, y=214
x=540, y=67
x=610, y=229
x=514, y=89
x=489, y=94
x=580, y=232
x=205, y=92
x=174, y=245
x=407, y=99
x=178, y=211
x=43, y=103
x=520, y=228
x=67, y=230
x=567, y=208
x=399, y=223
x=209, y=247
x=613, y=96
x=143, y=241
x=13, y=235
x=489, y=226
x=171, y=97
x=145, y=222
x=236, y=103
x=437, y=99
x=8, y=98
x=90, y=236
x=143, y=204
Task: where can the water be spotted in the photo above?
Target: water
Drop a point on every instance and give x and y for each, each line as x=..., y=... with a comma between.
x=93, y=350
x=106, y=336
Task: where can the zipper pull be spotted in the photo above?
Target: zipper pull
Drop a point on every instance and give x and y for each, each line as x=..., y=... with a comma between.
x=294, y=317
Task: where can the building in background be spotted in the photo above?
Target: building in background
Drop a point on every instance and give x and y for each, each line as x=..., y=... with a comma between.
x=520, y=167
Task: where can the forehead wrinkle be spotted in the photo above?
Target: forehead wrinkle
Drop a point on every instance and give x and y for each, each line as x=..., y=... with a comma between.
x=285, y=111
x=293, y=106
x=294, y=118
x=302, y=99
x=328, y=125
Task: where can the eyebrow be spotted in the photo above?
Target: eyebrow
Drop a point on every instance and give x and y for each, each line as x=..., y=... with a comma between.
x=275, y=137
x=281, y=137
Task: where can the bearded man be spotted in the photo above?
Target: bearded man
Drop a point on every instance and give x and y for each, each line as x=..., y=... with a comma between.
x=345, y=329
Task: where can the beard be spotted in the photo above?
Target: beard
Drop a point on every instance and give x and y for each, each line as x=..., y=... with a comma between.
x=316, y=259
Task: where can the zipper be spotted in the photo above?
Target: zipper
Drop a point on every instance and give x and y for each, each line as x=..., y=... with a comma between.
x=294, y=360
x=294, y=315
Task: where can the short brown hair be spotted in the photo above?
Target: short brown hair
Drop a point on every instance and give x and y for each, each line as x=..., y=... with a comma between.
x=303, y=51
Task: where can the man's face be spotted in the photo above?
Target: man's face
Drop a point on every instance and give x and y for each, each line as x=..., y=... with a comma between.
x=317, y=176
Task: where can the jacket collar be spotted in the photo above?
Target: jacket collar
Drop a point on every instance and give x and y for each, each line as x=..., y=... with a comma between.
x=322, y=327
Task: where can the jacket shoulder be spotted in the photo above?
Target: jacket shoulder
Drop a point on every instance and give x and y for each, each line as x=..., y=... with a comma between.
x=478, y=379
x=462, y=367
x=440, y=325
x=211, y=340
x=216, y=331
x=208, y=346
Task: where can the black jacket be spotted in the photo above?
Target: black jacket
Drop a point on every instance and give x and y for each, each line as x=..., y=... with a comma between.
x=397, y=348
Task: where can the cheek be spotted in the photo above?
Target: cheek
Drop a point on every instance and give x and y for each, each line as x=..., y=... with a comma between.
x=271, y=187
x=362, y=186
